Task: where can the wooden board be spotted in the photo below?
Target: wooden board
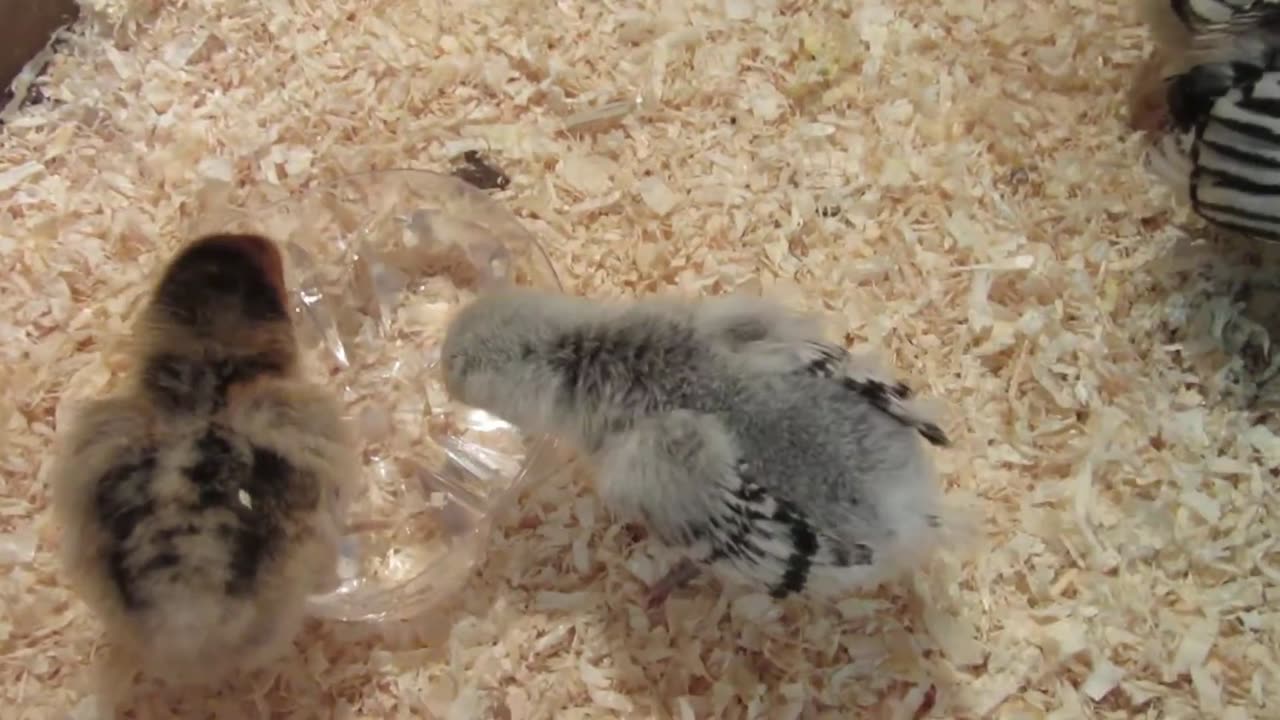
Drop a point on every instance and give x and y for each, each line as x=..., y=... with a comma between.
x=27, y=27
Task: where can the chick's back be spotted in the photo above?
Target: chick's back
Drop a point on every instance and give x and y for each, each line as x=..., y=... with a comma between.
x=198, y=538
x=805, y=438
x=200, y=510
x=835, y=456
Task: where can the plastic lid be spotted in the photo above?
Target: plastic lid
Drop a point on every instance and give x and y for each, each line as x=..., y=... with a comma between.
x=377, y=263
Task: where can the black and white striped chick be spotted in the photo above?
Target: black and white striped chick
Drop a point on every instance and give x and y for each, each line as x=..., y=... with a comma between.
x=202, y=505
x=1218, y=122
x=727, y=425
x=1210, y=97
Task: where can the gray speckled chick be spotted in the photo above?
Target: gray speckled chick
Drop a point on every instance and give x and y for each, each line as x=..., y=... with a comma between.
x=202, y=504
x=727, y=425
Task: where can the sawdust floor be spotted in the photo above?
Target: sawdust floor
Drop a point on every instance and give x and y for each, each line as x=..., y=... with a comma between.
x=951, y=182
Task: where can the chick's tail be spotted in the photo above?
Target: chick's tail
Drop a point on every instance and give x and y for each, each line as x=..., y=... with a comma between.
x=198, y=637
x=922, y=518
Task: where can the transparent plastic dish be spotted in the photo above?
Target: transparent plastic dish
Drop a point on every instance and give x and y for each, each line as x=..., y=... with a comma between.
x=376, y=264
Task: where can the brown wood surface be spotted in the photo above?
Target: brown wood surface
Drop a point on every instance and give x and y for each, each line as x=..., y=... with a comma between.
x=25, y=28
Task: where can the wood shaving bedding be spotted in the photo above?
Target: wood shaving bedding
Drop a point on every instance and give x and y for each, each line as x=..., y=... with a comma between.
x=950, y=183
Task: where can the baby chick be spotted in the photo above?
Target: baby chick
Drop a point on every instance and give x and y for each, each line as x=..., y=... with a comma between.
x=727, y=425
x=1210, y=97
x=202, y=504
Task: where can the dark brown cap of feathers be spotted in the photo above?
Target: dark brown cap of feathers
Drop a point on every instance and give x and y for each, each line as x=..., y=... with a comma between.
x=218, y=317
x=223, y=274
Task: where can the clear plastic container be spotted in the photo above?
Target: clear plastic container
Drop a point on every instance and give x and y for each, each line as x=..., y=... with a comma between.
x=376, y=264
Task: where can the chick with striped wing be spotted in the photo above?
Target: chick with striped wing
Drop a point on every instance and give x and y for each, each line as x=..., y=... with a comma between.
x=728, y=426
x=1210, y=96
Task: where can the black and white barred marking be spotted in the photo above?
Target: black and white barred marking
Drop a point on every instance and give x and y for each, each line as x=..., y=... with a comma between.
x=153, y=540
x=1231, y=114
x=829, y=361
x=768, y=540
x=772, y=541
x=1202, y=14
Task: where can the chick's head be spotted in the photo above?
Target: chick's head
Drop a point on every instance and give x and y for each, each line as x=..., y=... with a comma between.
x=500, y=352
x=222, y=295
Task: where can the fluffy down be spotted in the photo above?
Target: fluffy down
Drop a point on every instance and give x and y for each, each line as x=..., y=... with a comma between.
x=728, y=426
x=202, y=505
x=1210, y=98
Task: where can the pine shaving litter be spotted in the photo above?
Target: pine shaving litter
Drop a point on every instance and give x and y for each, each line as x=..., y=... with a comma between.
x=950, y=183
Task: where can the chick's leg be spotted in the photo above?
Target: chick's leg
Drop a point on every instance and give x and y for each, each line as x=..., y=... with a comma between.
x=1235, y=326
x=666, y=470
x=1265, y=303
x=1235, y=332
x=681, y=574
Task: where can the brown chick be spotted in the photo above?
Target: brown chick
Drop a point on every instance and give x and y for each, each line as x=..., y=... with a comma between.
x=202, y=505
